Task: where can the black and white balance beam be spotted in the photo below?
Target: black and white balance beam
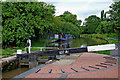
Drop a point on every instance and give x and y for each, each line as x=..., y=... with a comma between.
x=73, y=50
x=91, y=48
x=80, y=49
x=101, y=47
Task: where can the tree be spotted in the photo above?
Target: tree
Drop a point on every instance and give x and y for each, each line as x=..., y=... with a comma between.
x=67, y=23
x=68, y=28
x=91, y=23
x=103, y=15
x=115, y=15
x=106, y=27
x=67, y=12
x=23, y=20
x=69, y=17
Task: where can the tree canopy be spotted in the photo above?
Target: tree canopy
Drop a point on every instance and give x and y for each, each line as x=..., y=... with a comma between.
x=69, y=17
x=115, y=14
x=91, y=23
x=25, y=20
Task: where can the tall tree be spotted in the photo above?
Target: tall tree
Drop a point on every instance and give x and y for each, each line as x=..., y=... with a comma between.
x=102, y=15
x=91, y=23
x=115, y=15
x=69, y=17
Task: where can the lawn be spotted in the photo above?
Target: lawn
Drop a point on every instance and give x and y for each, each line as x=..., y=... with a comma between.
x=9, y=51
x=104, y=36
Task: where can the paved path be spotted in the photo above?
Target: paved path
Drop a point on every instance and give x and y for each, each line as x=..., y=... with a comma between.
x=88, y=65
x=115, y=39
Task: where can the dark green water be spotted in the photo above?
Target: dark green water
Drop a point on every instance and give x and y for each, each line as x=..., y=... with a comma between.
x=77, y=43
x=84, y=41
x=73, y=43
x=13, y=73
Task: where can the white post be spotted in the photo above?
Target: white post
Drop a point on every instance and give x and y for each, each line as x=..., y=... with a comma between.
x=41, y=49
x=29, y=45
x=19, y=51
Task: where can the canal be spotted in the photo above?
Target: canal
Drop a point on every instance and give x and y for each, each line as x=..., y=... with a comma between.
x=13, y=73
x=77, y=43
x=72, y=44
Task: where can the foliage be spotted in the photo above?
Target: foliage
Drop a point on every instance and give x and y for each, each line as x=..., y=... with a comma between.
x=91, y=24
x=106, y=27
x=67, y=23
x=68, y=28
x=71, y=18
x=25, y=20
x=115, y=11
x=105, y=36
x=103, y=15
x=115, y=15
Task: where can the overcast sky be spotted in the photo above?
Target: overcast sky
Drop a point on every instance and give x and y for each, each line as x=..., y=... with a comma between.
x=82, y=8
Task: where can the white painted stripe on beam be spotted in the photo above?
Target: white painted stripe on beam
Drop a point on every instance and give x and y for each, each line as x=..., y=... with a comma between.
x=101, y=47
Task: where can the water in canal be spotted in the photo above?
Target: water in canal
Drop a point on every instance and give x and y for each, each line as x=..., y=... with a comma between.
x=13, y=73
x=72, y=44
x=77, y=43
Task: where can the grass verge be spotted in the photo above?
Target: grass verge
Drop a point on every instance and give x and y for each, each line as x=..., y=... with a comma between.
x=104, y=36
x=9, y=51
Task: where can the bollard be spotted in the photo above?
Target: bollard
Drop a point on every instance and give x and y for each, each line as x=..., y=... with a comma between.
x=19, y=51
x=18, y=57
x=41, y=49
x=32, y=61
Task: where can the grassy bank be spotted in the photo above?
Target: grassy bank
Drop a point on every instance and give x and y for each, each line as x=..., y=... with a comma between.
x=9, y=51
x=104, y=36
x=41, y=43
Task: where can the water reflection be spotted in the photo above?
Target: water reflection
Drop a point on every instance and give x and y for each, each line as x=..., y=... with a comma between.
x=80, y=42
x=13, y=73
x=65, y=44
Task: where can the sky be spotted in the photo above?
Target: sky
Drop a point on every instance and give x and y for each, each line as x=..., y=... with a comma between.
x=82, y=8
